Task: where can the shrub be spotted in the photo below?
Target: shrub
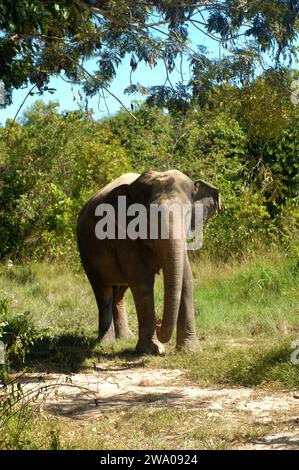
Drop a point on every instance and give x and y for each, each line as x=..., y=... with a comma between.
x=17, y=333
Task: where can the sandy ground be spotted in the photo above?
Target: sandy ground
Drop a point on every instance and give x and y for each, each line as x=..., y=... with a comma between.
x=85, y=396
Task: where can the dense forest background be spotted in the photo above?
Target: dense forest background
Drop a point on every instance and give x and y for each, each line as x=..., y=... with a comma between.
x=243, y=139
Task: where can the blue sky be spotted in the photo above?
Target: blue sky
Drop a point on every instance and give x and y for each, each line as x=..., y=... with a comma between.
x=68, y=96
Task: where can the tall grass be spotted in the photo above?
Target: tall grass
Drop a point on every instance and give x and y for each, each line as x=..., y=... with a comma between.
x=259, y=296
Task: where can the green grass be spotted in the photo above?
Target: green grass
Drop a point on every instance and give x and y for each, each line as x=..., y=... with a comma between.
x=142, y=428
x=253, y=298
x=263, y=365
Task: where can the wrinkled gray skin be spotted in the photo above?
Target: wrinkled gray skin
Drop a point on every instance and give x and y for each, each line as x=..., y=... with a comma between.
x=114, y=265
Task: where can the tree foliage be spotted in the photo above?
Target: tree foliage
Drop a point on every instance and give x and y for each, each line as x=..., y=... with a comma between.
x=43, y=38
x=53, y=162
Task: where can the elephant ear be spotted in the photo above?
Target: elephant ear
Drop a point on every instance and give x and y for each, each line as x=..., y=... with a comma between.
x=208, y=195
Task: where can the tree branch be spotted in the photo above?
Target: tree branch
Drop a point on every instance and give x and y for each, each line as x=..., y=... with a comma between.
x=95, y=10
x=19, y=109
x=102, y=86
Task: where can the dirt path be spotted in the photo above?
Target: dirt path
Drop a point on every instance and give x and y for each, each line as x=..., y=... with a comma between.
x=85, y=396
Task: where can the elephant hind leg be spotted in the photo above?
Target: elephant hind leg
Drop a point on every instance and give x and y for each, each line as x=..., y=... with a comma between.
x=121, y=327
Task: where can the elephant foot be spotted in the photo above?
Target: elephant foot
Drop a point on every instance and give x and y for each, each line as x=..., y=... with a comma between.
x=124, y=334
x=107, y=336
x=153, y=347
x=189, y=345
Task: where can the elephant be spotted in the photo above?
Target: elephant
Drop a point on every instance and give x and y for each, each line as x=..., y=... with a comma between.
x=114, y=265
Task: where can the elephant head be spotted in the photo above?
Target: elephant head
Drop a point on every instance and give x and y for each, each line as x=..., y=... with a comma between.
x=209, y=197
x=167, y=188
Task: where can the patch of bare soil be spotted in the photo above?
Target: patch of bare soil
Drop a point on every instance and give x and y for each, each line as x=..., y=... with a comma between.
x=85, y=396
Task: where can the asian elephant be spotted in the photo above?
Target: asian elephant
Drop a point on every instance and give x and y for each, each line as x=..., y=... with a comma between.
x=113, y=265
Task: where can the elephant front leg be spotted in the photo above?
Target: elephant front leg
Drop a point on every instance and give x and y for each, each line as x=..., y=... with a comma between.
x=121, y=327
x=103, y=295
x=105, y=310
x=148, y=342
x=186, y=332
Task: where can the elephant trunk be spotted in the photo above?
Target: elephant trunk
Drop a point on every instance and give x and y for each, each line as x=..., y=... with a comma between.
x=173, y=266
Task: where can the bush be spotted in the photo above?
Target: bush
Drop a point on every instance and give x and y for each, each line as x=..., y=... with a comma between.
x=17, y=332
